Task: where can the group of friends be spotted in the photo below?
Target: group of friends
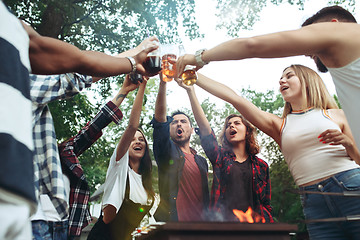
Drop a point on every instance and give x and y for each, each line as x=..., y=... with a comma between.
x=44, y=193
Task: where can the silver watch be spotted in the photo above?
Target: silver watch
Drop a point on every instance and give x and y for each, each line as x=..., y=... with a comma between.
x=198, y=58
x=133, y=64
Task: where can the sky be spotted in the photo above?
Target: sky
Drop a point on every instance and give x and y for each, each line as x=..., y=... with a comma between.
x=257, y=74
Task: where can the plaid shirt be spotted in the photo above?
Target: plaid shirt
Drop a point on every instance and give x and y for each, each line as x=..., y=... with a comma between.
x=79, y=216
x=222, y=160
x=47, y=168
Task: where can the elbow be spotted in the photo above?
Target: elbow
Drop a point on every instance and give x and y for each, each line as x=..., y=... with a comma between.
x=133, y=127
x=257, y=47
x=252, y=47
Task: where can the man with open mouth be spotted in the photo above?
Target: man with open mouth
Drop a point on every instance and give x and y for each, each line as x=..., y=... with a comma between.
x=183, y=180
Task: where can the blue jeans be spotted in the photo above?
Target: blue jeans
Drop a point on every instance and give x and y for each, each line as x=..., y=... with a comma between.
x=43, y=230
x=316, y=206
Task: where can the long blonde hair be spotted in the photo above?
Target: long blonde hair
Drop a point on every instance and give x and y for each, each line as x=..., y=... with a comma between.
x=312, y=88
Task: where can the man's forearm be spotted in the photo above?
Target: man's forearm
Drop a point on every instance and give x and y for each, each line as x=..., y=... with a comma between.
x=52, y=56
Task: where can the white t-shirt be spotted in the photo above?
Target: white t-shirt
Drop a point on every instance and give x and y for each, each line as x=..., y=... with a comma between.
x=115, y=183
x=46, y=210
x=347, y=83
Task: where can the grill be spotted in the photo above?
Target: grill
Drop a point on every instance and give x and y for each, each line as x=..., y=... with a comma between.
x=219, y=230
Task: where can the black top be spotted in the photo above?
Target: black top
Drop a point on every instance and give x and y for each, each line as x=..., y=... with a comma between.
x=238, y=193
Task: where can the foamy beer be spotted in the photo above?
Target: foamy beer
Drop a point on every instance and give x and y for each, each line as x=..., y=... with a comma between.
x=152, y=63
x=169, y=52
x=189, y=75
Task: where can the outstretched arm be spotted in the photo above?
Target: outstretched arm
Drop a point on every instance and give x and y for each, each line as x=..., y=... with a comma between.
x=266, y=122
x=134, y=120
x=52, y=56
x=316, y=39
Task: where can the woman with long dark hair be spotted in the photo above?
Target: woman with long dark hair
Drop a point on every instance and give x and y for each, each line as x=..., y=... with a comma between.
x=128, y=193
x=241, y=179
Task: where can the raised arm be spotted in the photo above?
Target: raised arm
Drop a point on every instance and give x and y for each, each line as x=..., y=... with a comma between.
x=266, y=122
x=52, y=56
x=134, y=120
x=160, y=104
x=197, y=110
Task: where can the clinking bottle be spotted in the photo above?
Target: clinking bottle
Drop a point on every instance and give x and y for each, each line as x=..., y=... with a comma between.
x=189, y=75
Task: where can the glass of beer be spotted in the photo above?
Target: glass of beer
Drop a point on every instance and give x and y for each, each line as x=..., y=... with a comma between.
x=169, y=52
x=152, y=63
x=189, y=75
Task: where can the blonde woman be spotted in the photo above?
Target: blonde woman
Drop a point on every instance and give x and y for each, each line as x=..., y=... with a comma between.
x=317, y=144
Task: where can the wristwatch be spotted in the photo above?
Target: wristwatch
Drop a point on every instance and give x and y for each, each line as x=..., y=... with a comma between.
x=133, y=64
x=198, y=58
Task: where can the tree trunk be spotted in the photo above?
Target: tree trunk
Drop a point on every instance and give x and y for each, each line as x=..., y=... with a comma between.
x=52, y=21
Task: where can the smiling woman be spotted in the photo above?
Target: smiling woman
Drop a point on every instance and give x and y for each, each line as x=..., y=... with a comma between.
x=128, y=194
x=317, y=145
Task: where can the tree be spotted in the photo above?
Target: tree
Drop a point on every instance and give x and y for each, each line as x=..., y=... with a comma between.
x=111, y=27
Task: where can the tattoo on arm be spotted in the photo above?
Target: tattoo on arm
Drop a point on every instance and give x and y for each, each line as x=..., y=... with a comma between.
x=120, y=96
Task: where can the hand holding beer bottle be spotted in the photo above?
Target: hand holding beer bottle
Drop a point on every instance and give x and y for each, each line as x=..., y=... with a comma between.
x=188, y=76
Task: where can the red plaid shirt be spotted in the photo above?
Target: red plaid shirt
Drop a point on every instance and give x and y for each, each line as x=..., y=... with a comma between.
x=222, y=160
x=79, y=215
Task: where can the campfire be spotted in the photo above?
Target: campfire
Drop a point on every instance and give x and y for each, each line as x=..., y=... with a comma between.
x=249, y=216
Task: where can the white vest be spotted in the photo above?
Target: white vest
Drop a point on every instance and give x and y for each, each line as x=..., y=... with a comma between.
x=308, y=158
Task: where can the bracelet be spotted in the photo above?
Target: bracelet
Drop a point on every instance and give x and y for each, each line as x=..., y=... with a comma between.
x=133, y=64
x=198, y=58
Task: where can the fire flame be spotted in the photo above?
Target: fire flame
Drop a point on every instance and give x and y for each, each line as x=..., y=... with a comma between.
x=249, y=216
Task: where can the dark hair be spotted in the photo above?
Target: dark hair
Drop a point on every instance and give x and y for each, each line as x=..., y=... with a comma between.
x=251, y=146
x=145, y=168
x=177, y=112
x=328, y=13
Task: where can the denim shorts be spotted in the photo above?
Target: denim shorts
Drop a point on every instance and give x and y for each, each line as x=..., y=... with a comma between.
x=317, y=206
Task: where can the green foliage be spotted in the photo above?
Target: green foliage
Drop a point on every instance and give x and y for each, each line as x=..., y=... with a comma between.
x=108, y=26
x=70, y=115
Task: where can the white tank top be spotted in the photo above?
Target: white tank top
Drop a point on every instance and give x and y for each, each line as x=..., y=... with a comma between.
x=308, y=158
